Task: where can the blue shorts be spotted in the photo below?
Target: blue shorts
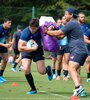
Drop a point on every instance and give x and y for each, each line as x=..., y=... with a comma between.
x=35, y=55
x=54, y=54
x=88, y=47
x=16, y=51
x=64, y=49
x=78, y=57
x=3, y=49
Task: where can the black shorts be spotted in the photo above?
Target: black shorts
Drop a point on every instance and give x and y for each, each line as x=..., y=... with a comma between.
x=16, y=51
x=88, y=47
x=54, y=54
x=3, y=49
x=35, y=55
x=64, y=49
x=78, y=57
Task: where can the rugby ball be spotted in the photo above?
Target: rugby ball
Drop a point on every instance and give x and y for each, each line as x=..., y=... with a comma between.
x=10, y=59
x=30, y=43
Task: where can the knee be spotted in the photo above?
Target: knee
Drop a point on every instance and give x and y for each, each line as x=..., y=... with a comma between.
x=42, y=72
x=26, y=71
x=71, y=69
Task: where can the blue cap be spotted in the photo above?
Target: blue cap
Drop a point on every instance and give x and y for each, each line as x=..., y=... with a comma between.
x=19, y=27
x=72, y=10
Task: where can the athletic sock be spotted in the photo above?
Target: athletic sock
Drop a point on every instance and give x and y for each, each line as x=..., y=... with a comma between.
x=15, y=65
x=1, y=72
x=48, y=70
x=30, y=81
x=59, y=72
x=76, y=87
x=88, y=75
x=65, y=72
x=53, y=70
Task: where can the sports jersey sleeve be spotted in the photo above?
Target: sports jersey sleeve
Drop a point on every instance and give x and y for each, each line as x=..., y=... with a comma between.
x=14, y=35
x=25, y=35
x=67, y=28
x=87, y=33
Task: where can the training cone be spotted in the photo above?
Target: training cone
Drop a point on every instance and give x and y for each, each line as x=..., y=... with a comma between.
x=14, y=83
x=74, y=98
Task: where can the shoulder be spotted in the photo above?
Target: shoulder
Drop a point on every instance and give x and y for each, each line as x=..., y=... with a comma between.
x=26, y=30
x=1, y=26
x=88, y=31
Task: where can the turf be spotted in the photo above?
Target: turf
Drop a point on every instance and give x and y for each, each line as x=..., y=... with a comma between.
x=46, y=90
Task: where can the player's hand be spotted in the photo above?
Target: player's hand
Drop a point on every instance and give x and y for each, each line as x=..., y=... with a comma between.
x=7, y=45
x=11, y=48
x=35, y=46
x=45, y=29
x=51, y=27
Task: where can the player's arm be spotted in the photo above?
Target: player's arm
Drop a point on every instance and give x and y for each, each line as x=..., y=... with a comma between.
x=5, y=45
x=22, y=46
x=86, y=39
x=9, y=37
x=13, y=42
x=58, y=33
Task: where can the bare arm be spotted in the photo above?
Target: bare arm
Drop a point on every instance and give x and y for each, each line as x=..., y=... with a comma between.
x=53, y=32
x=22, y=46
x=9, y=37
x=86, y=39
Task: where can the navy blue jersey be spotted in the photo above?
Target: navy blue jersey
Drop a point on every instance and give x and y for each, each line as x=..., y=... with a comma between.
x=27, y=35
x=85, y=27
x=4, y=33
x=75, y=36
x=16, y=35
x=88, y=35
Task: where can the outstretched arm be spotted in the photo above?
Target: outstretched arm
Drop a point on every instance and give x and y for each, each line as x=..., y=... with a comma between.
x=58, y=33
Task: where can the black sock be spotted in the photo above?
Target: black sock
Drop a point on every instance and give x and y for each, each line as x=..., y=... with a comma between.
x=1, y=72
x=59, y=72
x=48, y=70
x=53, y=70
x=15, y=65
x=65, y=72
x=88, y=75
x=30, y=81
x=76, y=87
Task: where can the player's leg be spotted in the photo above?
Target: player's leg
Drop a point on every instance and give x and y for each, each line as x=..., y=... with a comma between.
x=39, y=59
x=27, y=70
x=88, y=68
x=59, y=62
x=83, y=93
x=3, y=65
x=54, y=58
x=74, y=65
x=17, y=60
x=65, y=65
x=59, y=66
x=43, y=70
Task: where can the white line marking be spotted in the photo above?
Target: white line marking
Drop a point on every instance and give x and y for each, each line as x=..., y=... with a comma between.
x=60, y=95
x=55, y=94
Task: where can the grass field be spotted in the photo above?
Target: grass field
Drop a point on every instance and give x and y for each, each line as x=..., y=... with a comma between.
x=47, y=90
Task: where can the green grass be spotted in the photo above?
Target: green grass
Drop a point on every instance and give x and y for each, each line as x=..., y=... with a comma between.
x=47, y=90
